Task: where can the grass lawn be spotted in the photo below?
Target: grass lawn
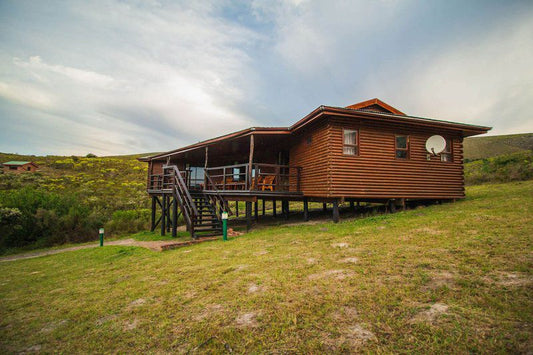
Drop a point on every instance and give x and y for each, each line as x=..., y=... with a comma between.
x=446, y=278
x=156, y=235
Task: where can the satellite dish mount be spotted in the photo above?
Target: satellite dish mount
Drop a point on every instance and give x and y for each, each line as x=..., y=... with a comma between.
x=435, y=145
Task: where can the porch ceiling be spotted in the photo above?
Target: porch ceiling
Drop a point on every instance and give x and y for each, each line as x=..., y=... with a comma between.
x=235, y=151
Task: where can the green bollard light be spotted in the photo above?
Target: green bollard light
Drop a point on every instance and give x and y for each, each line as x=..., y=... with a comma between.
x=101, y=232
x=225, y=225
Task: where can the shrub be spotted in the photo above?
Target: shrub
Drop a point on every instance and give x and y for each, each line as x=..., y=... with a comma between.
x=10, y=219
x=40, y=218
x=129, y=221
x=503, y=168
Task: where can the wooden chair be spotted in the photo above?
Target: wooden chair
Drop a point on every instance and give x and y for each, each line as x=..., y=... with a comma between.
x=230, y=183
x=268, y=183
x=217, y=181
x=256, y=182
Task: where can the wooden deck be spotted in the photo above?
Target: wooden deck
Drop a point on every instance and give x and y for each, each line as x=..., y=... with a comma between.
x=234, y=181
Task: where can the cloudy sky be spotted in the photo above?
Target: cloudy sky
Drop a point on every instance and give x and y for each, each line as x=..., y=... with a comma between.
x=122, y=77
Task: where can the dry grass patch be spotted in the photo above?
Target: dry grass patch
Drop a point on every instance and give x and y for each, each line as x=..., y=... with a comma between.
x=247, y=320
x=351, y=260
x=430, y=315
x=336, y=274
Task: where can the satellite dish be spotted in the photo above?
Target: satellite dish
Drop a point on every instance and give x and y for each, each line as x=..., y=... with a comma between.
x=435, y=144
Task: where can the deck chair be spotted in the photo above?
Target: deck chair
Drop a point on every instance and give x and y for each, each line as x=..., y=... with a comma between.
x=268, y=183
x=256, y=183
x=217, y=181
x=230, y=183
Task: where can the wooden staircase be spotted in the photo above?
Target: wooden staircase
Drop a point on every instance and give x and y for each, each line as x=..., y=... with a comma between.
x=198, y=209
x=207, y=222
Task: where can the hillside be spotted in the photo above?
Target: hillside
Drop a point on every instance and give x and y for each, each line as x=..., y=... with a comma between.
x=492, y=146
x=452, y=278
x=71, y=197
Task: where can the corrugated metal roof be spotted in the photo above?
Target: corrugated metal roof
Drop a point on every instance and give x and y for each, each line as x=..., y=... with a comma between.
x=15, y=162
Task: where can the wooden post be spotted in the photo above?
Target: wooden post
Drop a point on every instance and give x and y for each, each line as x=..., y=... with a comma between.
x=175, y=218
x=237, y=208
x=263, y=207
x=224, y=178
x=206, y=156
x=336, y=216
x=248, y=215
x=306, y=209
x=205, y=166
x=286, y=209
x=163, y=213
x=324, y=207
x=352, y=206
x=250, y=161
x=154, y=207
x=169, y=219
x=256, y=210
x=274, y=212
x=392, y=206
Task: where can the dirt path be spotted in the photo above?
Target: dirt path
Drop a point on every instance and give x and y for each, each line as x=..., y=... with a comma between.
x=57, y=251
x=153, y=245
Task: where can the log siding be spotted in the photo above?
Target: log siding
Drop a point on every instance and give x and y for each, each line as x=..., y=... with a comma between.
x=310, y=151
x=377, y=173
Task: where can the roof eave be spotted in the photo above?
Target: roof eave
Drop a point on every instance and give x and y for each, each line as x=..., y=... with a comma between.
x=410, y=119
x=229, y=136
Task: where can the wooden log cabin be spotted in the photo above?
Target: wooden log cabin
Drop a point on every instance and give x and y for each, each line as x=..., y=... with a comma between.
x=366, y=152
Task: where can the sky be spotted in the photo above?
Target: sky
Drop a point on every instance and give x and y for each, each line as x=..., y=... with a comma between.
x=124, y=77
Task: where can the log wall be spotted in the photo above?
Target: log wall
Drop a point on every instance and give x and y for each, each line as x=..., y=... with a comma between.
x=376, y=172
x=310, y=151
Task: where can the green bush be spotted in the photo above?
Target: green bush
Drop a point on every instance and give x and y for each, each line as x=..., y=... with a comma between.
x=33, y=217
x=503, y=168
x=129, y=221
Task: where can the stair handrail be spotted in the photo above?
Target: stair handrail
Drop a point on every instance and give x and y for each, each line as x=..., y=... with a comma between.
x=183, y=192
x=218, y=196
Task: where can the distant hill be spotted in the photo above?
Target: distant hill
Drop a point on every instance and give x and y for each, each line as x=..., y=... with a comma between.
x=487, y=147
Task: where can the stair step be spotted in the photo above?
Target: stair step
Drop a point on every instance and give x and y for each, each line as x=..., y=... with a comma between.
x=212, y=224
x=208, y=235
x=207, y=229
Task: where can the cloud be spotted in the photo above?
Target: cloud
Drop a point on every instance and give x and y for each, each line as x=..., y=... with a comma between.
x=172, y=72
x=27, y=95
x=125, y=76
x=483, y=79
x=83, y=76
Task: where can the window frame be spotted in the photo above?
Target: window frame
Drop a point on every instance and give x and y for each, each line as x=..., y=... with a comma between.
x=448, y=153
x=356, y=145
x=407, y=149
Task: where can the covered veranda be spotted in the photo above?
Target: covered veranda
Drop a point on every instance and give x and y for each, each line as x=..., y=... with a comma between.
x=249, y=166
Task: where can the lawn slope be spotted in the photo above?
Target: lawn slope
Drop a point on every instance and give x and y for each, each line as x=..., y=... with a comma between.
x=483, y=147
x=446, y=278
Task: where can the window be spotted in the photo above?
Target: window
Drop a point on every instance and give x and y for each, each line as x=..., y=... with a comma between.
x=402, y=147
x=350, y=146
x=309, y=140
x=12, y=167
x=446, y=154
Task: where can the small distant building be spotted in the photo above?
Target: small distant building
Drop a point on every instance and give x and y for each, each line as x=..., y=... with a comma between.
x=20, y=166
